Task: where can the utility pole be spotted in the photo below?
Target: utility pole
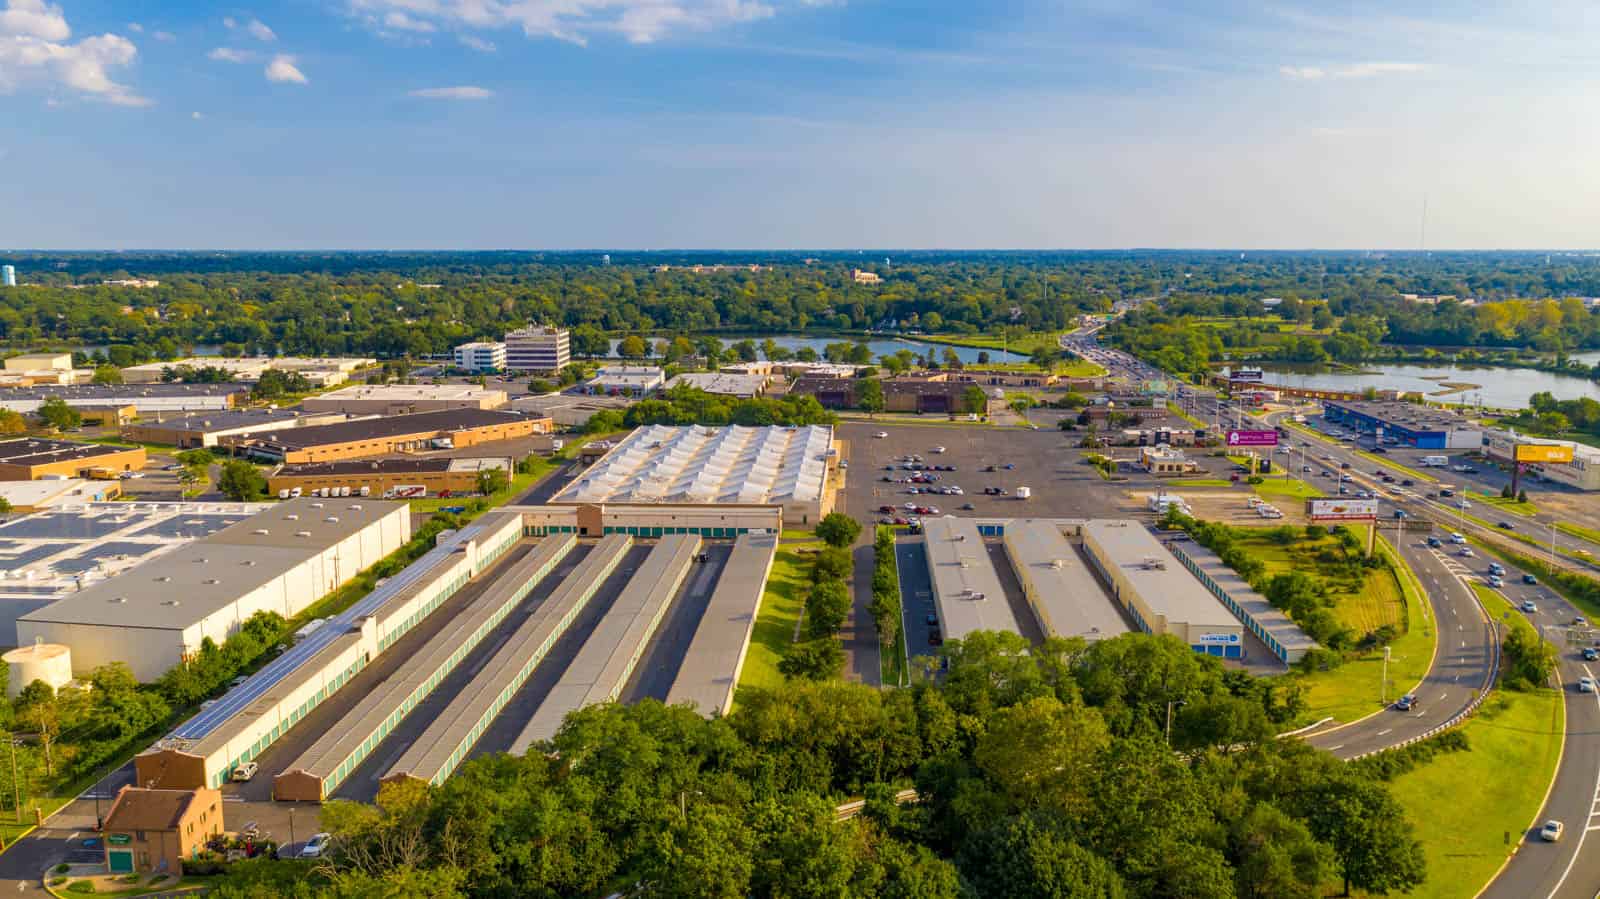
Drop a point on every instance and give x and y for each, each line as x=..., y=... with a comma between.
x=16, y=783
x=1383, y=688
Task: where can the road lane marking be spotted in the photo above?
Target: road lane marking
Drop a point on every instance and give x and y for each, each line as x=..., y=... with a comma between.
x=1386, y=731
x=1336, y=748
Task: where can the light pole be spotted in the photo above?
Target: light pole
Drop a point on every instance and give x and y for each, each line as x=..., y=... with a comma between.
x=291, y=825
x=1383, y=688
x=16, y=783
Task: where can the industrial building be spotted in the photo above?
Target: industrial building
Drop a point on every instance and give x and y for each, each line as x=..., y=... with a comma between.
x=934, y=394
x=149, y=830
x=1148, y=582
x=625, y=380
x=739, y=386
x=404, y=399
x=1282, y=637
x=282, y=559
x=569, y=410
x=647, y=520
x=612, y=649
x=58, y=552
x=790, y=467
x=238, y=727
x=31, y=458
x=1423, y=427
x=1062, y=591
x=320, y=372
x=436, y=754
x=710, y=670
x=399, y=478
x=538, y=350
x=323, y=766
x=388, y=435
x=31, y=496
x=1582, y=473
x=482, y=357
x=207, y=429
x=42, y=369
x=966, y=589
x=146, y=399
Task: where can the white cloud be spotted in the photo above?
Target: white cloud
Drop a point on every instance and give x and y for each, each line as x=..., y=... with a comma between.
x=260, y=31
x=478, y=43
x=34, y=18
x=283, y=70
x=136, y=28
x=229, y=54
x=639, y=21
x=164, y=36
x=462, y=92
x=1355, y=70
x=400, y=21
x=34, y=48
x=197, y=116
x=229, y=23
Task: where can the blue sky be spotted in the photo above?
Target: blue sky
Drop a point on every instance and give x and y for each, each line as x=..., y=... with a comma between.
x=797, y=123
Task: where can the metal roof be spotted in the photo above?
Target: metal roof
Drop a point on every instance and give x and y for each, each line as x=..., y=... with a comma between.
x=966, y=589
x=602, y=667
x=41, y=451
x=441, y=422
x=1164, y=584
x=1281, y=628
x=733, y=465
x=1067, y=598
x=711, y=664
x=445, y=743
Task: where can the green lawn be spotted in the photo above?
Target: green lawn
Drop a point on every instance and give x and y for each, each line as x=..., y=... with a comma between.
x=1177, y=410
x=1200, y=482
x=781, y=604
x=1512, y=504
x=1354, y=689
x=11, y=831
x=1288, y=488
x=1502, y=779
x=892, y=659
x=1582, y=533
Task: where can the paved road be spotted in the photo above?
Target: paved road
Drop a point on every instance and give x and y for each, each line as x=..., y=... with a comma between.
x=916, y=595
x=1460, y=669
x=1569, y=869
x=663, y=655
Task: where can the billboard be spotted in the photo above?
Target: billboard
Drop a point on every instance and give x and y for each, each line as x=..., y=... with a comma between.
x=408, y=491
x=1252, y=438
x=1543, y=452
x=1246, y=374
x=1341, y=509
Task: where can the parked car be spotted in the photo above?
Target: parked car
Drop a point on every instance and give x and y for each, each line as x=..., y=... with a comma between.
x=935, y=638
x=1551, y=831
x=881, y=434
x=244, y=772
x=932, y=619
x=315, y=846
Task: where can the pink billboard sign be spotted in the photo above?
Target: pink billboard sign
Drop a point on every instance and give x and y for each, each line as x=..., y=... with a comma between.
x=1252, y=438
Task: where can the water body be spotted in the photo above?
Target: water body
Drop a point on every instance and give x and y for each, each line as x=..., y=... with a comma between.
x=878, y=346
x=1506, y=388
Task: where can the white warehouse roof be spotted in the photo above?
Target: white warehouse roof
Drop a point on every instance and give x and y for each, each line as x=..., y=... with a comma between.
x=735, y=465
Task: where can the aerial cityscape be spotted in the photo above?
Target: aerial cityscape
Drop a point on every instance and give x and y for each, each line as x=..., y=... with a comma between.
x=799, y=448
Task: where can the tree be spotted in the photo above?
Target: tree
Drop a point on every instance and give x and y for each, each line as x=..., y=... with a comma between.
x=816, y=660
x=1529, y=660
x=12, y=422
x=1275, y=857
x=492, y=481
x=1373, y=843
x=869, y=395
x=241, y=481
x=633, y=347
x=106, y=374
x=827, y=607
x=838, y=529
x=55, y=412
x=975, y=400
x=1024, y=857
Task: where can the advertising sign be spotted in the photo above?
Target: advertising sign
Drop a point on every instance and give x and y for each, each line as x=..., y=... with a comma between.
x=1219, y=638
x=408, y=491
x=1341, y=509
x=1252, y=438
x=119, y=839
x=1543, y=452
x=1246, y=374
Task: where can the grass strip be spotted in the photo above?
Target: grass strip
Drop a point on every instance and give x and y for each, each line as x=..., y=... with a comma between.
x=782, y=602
x=1385, y=463
x=1515, y=744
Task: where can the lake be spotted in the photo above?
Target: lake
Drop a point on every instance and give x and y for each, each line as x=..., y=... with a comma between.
x=1507, y=388
x=878, y=346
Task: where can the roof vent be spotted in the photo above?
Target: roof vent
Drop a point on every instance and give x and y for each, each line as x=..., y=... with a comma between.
x=334, y=519
x=355, y=507
x=248, y=562
x=316, y=505
x=164, y=578
x=212, y=580
x=118, y=599
x=302, y=533
x=291, y=517
x=173, y=602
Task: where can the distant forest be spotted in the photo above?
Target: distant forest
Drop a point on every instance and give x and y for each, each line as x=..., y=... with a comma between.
x=397, y=304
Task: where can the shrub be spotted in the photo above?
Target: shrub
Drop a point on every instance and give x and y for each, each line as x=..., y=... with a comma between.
x=80, y=886
x=62, y=868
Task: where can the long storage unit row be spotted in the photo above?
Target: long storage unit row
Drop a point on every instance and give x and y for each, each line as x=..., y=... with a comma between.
x=435, y=754
x=326, y=763
x=606, y=661
x=203, y=751
x=716, y=654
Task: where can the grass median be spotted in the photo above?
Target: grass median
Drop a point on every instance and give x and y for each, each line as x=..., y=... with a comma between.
x=782, y=603
x=1515, y=744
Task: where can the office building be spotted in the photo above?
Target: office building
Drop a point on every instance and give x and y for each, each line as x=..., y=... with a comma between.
x=481, y=357
x=158, y=830
x=8, y=273
x=404, y=399
x=282, y=559
x=738, y=386
x=625, y=380
x=39, y=361
x=538, y=350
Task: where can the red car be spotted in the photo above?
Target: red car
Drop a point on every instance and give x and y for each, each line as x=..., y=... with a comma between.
x=886, y=509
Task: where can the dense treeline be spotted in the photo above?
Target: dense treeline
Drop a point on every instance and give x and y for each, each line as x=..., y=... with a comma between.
x=1043, y=772
x=392, y=304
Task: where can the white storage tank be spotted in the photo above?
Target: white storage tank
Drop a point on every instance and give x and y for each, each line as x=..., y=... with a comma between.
x=49, y=662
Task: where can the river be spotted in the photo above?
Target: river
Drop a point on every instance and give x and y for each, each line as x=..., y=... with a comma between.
x=879, y=346
x=1506, y=388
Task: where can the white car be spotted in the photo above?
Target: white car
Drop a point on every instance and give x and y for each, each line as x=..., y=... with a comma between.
x=938, y=449
x=315, y=846
x=244, y=772
x=1586, y=684
x=1551, y=831
x=881, y=434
